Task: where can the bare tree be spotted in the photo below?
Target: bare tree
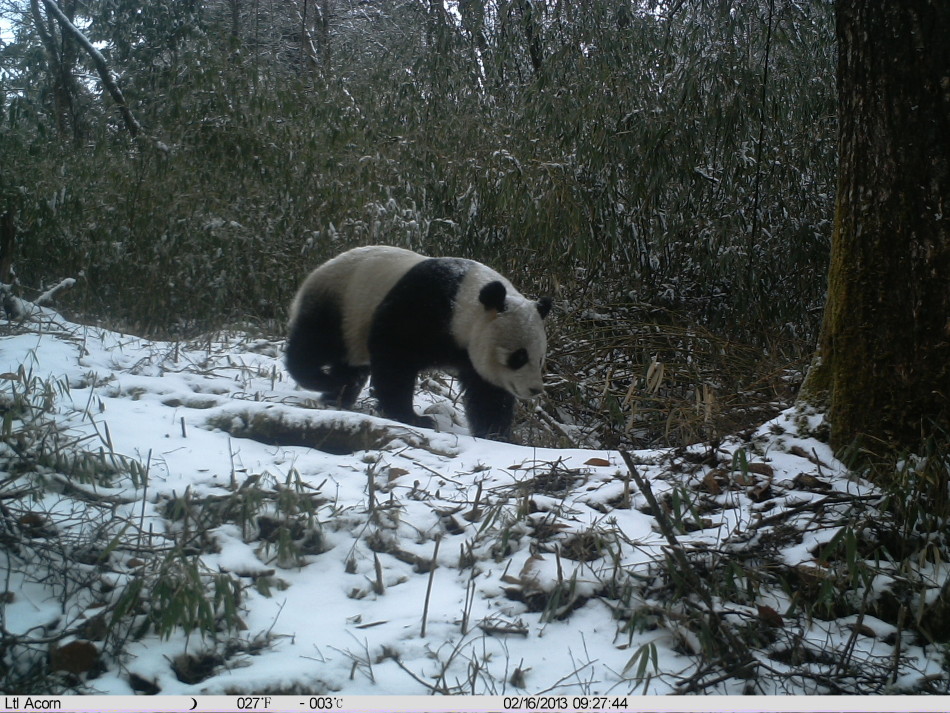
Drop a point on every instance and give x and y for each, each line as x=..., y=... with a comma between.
x=102, y=68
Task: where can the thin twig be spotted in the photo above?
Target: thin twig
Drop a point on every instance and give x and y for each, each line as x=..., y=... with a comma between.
x=425, y=607
x=418, y=680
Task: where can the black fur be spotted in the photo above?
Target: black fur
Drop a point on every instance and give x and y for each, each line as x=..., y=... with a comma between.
x=489, y=409
x=492, y=296
x=544, y=306
x=517, y=359
x=411, y=331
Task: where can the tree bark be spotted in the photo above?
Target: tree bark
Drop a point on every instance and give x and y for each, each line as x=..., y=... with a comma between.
x=7, y=244
x=883, y=366
x=532, y=35
x=60, y=57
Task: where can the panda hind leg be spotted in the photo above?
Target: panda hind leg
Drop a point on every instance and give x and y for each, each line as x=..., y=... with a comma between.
x=338, y=384
x=348, y=382
x=489, y=409
x=316, y=356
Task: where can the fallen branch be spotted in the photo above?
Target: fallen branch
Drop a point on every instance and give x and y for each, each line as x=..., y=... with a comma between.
x=812, y=505
x=47, y=297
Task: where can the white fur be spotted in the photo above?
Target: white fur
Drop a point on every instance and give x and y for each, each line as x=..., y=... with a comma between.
x=361, y=278
x=490, y=337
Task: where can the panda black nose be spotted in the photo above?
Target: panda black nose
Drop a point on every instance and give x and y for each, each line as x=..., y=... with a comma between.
x=536, y=390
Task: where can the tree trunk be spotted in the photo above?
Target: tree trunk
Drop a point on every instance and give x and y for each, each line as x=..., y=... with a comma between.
x=324, y=27
x=235, y=7
x=59, y=52
x=532, y=35
x=883, y=366
x=7, y=245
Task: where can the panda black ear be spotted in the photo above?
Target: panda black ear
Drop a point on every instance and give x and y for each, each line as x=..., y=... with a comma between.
x=492, y=296
x=544, y=306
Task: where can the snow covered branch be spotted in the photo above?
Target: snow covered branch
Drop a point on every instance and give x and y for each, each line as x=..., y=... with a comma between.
x=47, y=297
x=105, y=74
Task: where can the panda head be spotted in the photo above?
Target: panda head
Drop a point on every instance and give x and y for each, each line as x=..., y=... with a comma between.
x=508, y=346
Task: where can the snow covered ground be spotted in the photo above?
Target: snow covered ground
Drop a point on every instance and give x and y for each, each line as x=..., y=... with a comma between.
x=362, y=556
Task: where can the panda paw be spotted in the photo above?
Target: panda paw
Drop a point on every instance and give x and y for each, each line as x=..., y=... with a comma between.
x=332, y=400
x=423, y=422
x=408, y=417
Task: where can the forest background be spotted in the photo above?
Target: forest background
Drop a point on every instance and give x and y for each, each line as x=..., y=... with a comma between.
x=664, y=169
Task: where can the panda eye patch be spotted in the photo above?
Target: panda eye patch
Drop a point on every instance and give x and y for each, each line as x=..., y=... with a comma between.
x=517, y=359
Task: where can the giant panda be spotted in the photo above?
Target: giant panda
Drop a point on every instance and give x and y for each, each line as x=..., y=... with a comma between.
x=387, y=313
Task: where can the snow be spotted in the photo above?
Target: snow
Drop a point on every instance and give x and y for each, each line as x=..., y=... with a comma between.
x=529, y=540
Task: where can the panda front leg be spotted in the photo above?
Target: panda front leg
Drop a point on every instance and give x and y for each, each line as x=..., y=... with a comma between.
x=393, y=385
x=488, y=408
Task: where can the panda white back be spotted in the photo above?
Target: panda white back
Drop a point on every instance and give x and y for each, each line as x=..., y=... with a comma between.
x=360, y=279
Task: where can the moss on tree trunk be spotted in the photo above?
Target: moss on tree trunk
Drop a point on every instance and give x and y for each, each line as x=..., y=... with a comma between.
x=883, y=367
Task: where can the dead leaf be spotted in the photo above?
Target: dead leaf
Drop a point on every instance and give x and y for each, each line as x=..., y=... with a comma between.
x=802, y=453
x=743, y=479
x=711, y=483
x=35, y=525
x=810, y=482
x=760, y=493
x=32, y=521
x=530, y=566
x=811, y=579
x=75, y=657
x=862, y=629
x=770, y=617
x=397, y=473
x=761, y=469
x=599, y=462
